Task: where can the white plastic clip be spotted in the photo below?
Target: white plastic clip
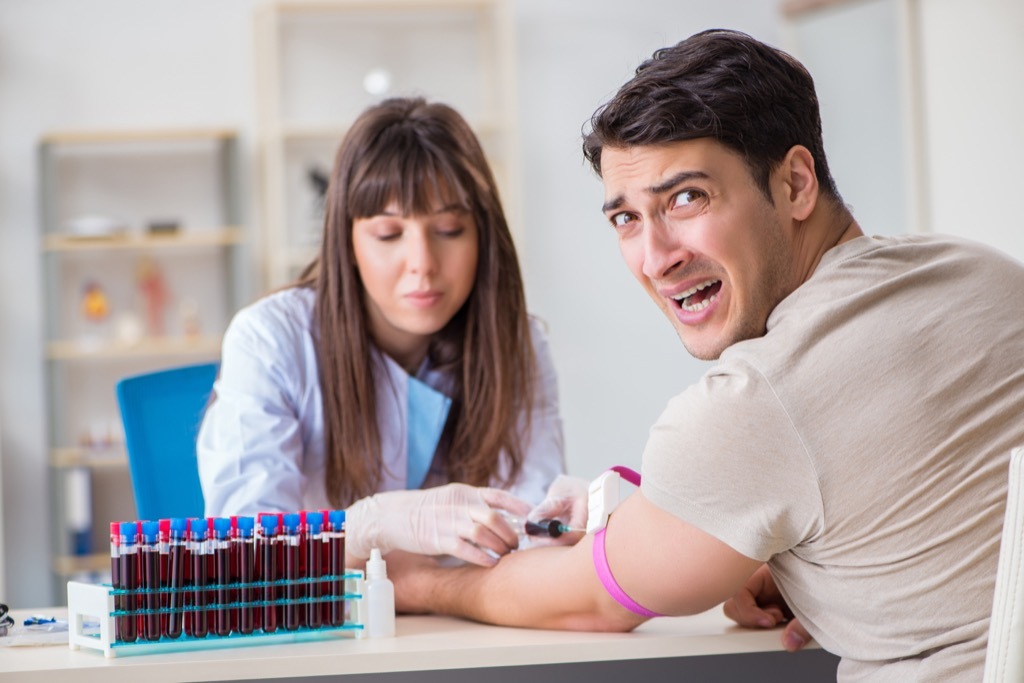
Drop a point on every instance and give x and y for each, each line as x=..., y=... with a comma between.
x=602, y=499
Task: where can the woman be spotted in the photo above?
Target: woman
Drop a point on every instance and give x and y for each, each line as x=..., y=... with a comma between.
x=400, y=361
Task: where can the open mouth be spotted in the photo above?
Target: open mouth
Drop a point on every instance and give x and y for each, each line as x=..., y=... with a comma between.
x=699, y=297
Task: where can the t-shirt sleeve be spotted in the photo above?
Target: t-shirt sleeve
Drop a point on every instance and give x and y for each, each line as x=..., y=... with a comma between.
x=725, y=457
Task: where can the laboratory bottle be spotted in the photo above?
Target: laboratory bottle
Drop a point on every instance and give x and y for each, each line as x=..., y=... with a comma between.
x=177, y=575
x=246, y=561
x=334, y=540
x=199, y=548
x=129, y=574
x=165, y=568
x=292, y=560
x=379, y=594
x=266, y=552
x=314, y=566
x=221, y=550
x=115, y=570
x=149, y=571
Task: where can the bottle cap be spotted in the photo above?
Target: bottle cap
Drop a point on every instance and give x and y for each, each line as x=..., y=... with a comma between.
x=179, y=525
x=376, y=567
x=314, y=522
x=269, y=524
x=150, y=531
x=245, y=526
x=221, y=527
x=336, y=518
x=198, y=527
x=291, y=523
x=129, y=531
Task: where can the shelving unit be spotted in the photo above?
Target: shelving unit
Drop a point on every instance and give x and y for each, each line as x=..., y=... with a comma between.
x=319, y=64
x=169, y=200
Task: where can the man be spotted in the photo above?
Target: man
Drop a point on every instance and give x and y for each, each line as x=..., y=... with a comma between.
x=848, y=452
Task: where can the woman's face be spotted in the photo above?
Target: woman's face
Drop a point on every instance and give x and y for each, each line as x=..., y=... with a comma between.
x=418, y=271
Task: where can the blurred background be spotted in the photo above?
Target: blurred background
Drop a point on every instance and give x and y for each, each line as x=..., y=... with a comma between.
x=160, y=165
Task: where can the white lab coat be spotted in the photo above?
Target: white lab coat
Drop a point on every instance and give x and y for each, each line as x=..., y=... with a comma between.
x=261, y=444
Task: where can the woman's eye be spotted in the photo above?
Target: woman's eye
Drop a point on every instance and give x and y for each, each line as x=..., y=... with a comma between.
x=686, y=198
x=388, y=236
x=450, y=232
x=621, y=219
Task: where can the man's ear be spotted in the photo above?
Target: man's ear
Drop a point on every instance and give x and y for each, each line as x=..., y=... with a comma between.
x=800, y=181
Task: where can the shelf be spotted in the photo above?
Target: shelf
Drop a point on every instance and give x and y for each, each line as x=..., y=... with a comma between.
x=133, y=240
x=305, y=132
x=116, y=136
x=69, y=565
x=92, y=458
x=308, y=6
x=146, y=348
x=313, y=61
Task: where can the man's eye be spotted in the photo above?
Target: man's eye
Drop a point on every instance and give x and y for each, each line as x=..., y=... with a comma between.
x=621, y=219
x=687, y=197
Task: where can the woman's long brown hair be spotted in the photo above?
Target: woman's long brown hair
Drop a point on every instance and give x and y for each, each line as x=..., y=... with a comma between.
x=422, y=156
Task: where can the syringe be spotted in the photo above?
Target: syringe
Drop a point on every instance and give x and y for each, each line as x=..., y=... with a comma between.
x=545, y=527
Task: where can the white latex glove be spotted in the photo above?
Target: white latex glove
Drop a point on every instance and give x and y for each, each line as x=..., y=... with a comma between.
x=456, y=519
x=566, y=501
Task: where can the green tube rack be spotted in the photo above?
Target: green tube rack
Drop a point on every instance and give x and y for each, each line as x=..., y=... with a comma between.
x=96, y=603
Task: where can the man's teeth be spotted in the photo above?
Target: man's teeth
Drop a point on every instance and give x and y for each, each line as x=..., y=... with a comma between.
x=699, y=306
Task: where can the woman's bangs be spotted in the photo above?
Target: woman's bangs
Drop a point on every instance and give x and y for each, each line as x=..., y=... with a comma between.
x=418, y=182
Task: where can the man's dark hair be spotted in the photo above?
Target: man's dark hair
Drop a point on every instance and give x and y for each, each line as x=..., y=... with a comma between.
x=754, y=99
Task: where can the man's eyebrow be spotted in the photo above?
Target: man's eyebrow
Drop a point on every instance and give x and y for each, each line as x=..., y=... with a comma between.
x=661, y=188
x=676, y=180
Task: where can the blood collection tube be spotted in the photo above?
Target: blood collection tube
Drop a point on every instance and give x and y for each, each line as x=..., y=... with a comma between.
x=221, y=550
x=129, y=579
x=292, y=550
x=266, y=551
x=115, y=568
x=314, y=546
x=177, y=550
x=336, y=566
x=199, y=548
x=149, y=570
x=246, y=561
x=165, y=568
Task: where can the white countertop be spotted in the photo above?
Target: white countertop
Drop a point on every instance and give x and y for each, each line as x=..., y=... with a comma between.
x=421, y=643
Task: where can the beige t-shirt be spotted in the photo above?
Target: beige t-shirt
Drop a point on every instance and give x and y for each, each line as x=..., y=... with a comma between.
x=861, y=447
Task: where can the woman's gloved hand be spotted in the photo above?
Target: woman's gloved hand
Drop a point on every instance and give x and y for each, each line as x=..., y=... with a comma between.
x=456, y=519
x=566, y=501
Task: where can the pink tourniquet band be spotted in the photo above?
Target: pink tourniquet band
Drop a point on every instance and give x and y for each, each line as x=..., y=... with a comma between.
x=604, y=572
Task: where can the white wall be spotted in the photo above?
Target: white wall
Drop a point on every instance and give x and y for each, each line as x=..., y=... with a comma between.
x=179, y=63
x=65, y=64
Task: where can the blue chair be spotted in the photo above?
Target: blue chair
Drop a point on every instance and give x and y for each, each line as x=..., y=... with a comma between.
x=161, y=412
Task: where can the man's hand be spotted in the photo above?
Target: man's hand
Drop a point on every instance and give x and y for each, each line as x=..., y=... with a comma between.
x=759, y=604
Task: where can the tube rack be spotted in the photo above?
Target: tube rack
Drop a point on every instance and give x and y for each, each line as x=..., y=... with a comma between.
x=96, y=602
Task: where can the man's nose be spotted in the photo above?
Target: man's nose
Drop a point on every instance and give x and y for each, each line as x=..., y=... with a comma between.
x=663, y=249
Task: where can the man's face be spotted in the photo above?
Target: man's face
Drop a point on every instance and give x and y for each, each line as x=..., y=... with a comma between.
x=701, y=237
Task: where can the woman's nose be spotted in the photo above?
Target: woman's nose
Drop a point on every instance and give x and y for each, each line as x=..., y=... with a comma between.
x=421, y=257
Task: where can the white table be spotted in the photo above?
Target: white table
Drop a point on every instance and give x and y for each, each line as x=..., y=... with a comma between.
x=702, y=648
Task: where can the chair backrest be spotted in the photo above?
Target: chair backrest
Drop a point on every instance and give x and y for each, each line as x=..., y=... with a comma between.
x=161, y=412
x=1004, y=660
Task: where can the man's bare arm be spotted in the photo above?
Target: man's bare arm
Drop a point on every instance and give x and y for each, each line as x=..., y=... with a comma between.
x=663, y=563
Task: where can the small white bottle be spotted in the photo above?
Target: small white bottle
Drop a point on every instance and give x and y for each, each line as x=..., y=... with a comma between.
x=379, y=594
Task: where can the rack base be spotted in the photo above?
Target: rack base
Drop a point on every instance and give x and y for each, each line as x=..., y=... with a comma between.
x=94, y=602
